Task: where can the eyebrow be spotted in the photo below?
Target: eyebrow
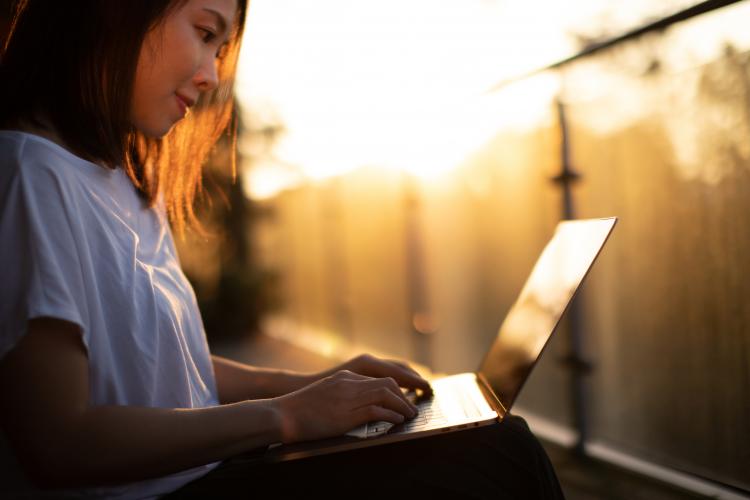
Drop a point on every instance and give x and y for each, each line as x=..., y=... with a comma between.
x=219, y=19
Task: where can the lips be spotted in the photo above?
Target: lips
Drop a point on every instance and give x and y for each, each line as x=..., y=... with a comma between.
x=184, y=102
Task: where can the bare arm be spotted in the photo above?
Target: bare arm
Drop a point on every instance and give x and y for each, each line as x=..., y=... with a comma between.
x=238, y=381
x=62, y=442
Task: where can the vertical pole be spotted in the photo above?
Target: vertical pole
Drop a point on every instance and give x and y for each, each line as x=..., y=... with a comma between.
x=336, y=264
x=574, y=361
x=419, y=313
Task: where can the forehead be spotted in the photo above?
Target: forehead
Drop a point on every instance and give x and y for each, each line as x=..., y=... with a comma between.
x=224, y=10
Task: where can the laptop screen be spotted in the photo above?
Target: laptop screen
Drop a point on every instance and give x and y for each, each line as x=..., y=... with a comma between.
x=548, y=291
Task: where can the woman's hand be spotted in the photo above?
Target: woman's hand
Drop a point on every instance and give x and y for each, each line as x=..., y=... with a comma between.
x=403, y=374
x=340, y=402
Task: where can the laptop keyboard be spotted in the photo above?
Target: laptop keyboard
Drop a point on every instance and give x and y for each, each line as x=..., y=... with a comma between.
x=429, y=413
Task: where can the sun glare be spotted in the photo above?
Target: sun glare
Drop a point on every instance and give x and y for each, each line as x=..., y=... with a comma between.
x=393, y=84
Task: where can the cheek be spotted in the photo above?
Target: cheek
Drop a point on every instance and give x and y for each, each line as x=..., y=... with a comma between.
x=182, y=56
x=167, y=62
x=141, y=86
x=147, y=73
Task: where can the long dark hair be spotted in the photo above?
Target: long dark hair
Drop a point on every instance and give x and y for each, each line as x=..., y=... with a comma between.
x=73, y=62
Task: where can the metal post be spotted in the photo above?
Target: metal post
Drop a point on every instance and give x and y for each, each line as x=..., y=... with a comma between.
x=420, y=318
x=574, y=361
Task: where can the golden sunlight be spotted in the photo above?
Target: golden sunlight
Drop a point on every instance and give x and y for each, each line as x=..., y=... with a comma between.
x=402, y=85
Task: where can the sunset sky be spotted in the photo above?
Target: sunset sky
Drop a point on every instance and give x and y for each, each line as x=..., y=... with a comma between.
x=398, y=84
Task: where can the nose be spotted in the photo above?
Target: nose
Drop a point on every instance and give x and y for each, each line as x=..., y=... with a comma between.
x=206, y=78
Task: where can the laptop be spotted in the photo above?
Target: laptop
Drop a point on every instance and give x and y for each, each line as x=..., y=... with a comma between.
x=469, y=400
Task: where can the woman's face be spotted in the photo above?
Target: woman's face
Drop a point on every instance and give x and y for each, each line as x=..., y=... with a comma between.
x=178, y=62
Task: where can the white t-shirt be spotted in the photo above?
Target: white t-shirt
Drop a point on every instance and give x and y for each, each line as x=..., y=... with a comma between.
x=79, y=244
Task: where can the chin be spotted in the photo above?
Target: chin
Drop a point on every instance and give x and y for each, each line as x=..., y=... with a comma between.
x=154, y=132
x=154, y=128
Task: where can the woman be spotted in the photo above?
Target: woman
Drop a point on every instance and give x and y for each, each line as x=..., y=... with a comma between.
x=107, y=386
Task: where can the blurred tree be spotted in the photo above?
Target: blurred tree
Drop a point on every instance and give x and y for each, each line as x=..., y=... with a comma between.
x=232, y=289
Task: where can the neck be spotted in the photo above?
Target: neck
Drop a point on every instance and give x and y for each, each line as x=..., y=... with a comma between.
x=42, y=127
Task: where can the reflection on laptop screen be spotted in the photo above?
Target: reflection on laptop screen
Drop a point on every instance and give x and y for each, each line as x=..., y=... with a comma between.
x=549, y=289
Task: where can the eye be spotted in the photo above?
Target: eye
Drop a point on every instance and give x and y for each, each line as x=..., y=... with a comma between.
x=208, y=35
x=222, y=51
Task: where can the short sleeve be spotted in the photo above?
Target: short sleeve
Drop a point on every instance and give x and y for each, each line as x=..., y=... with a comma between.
x=40, y=247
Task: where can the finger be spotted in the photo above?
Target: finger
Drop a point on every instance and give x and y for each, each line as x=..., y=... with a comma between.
x=350, y=375
x=385, y=397
x=375, y=413
x=420, y=382
x=405, y=366
x=381, y=386
x=400, y=371
x=408, y=377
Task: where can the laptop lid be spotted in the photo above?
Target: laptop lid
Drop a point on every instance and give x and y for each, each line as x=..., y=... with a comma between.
x=545, y=297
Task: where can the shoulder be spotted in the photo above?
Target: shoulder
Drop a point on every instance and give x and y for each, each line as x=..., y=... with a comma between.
x=28, y=155
x=44, y=182
x=38, y=170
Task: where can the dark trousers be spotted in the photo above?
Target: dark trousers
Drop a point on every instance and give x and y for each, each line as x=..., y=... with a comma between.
x=502, y=460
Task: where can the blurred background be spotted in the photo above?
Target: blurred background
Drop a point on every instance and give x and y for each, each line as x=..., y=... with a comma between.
x=402, y=164
x=405, y=163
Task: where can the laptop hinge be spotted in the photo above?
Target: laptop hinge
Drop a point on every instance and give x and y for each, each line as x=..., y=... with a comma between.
x=490, y=396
